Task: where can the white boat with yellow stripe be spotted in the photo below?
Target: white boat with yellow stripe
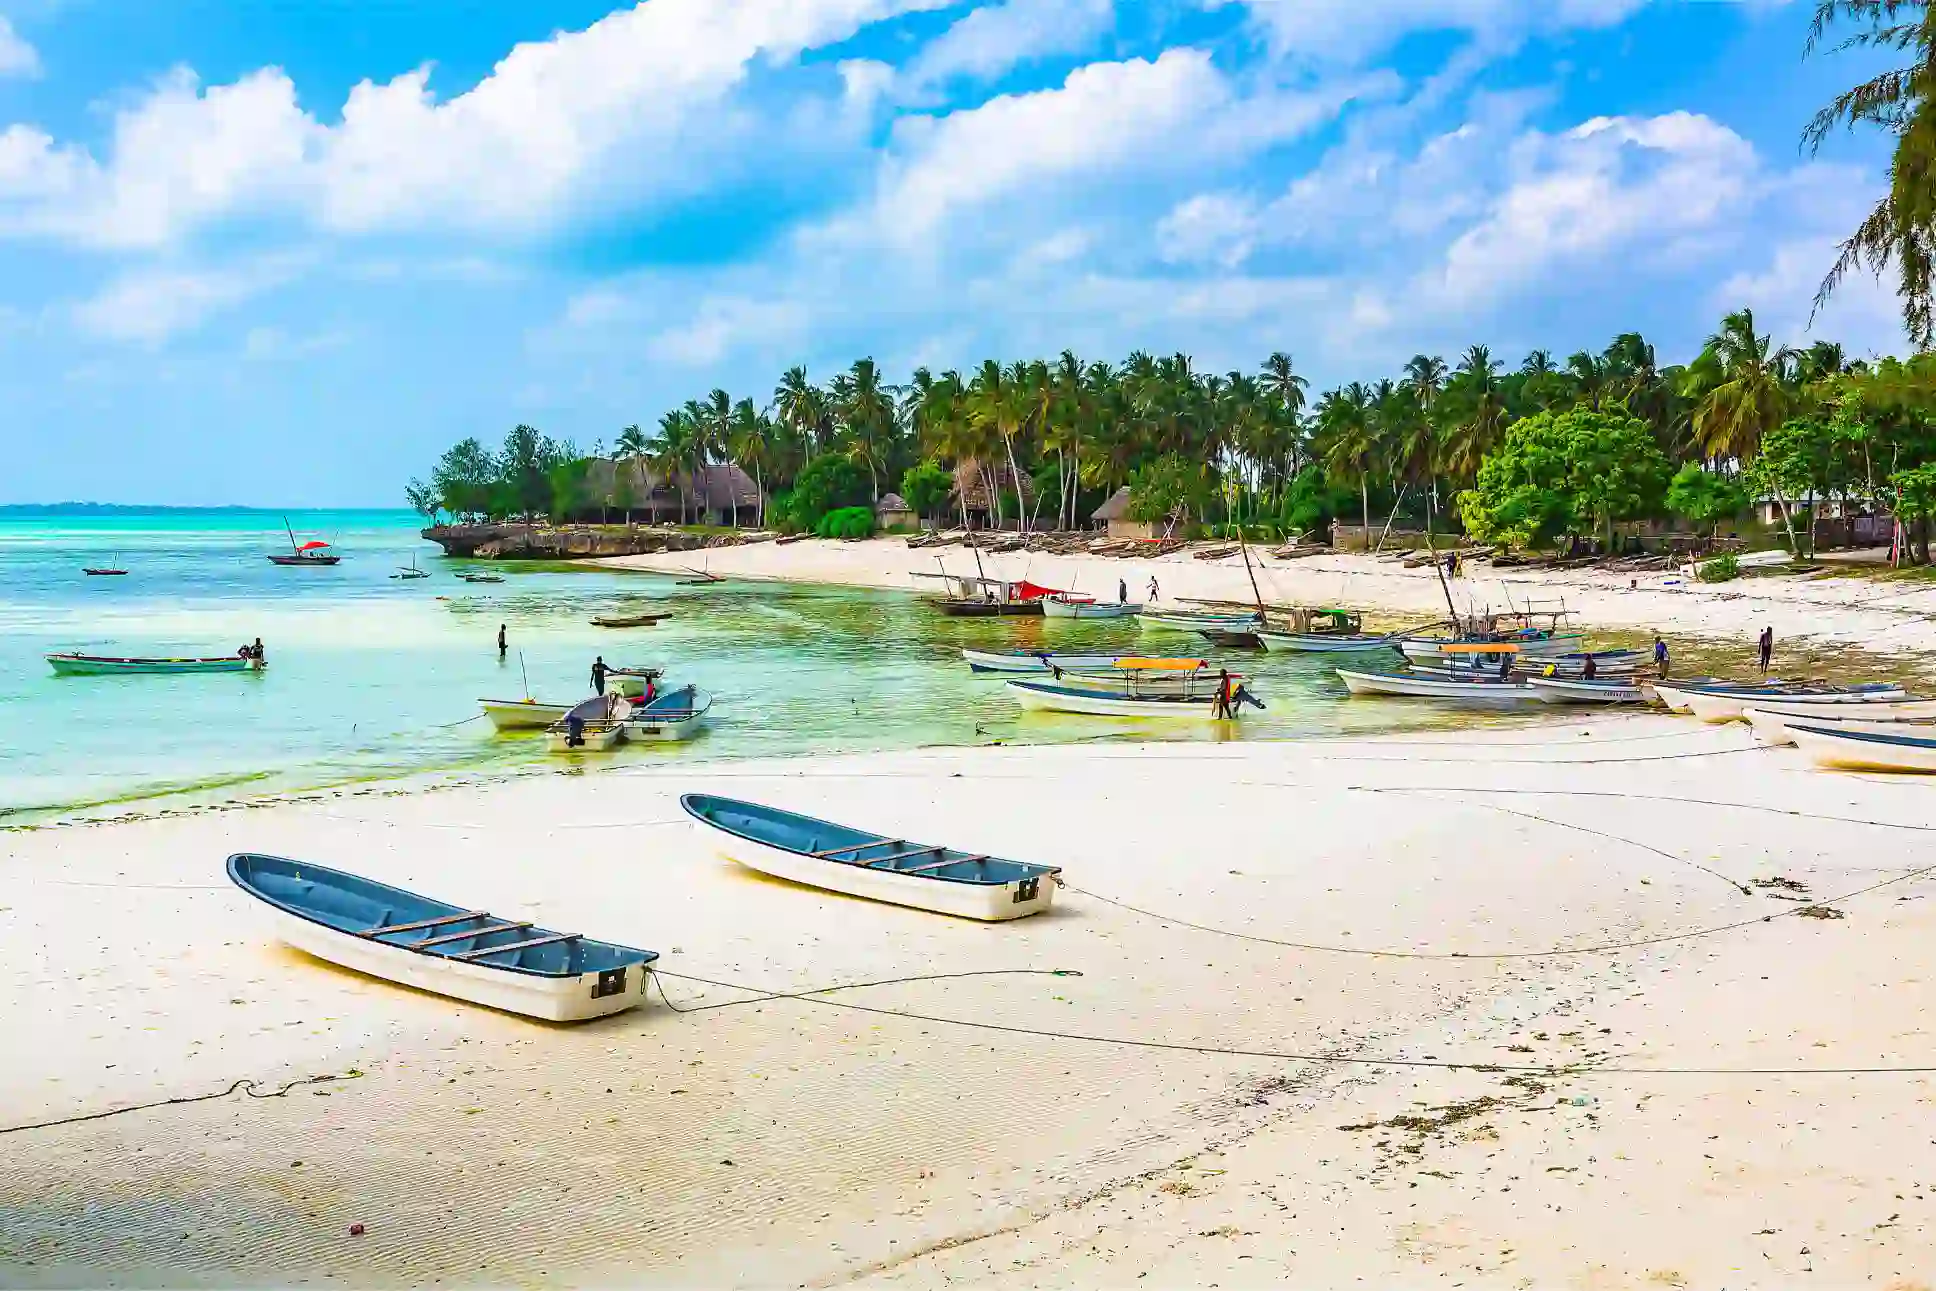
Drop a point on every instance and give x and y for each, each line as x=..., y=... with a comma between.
x=1186, y=689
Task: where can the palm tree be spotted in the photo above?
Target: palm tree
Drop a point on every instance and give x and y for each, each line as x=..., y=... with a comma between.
x=801, y=407
x=865, y=407
x=1481, y=417
x=631, y=442
x=1738, y=381
x=1349, y=442
x=668, y=451
x=1286, y=389
x=1902, y=227
x=752, y=446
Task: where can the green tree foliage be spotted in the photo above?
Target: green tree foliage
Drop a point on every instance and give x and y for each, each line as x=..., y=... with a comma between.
x=827, y=483
x=465, y=479
x=567, y=482
x=1172, y=485
x=1705, y=497
x=925, y=487
x=1913, y=492
x=423, y=499
x=847, y=522
x=1724, y=568
x=1559, y=474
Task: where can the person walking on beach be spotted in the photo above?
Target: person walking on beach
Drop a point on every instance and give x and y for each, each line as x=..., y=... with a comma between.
x=1153, y=594
x=1766, y=648
x=502, y=644
x=598, y=675
x=1660, y=658
x=1122, y=592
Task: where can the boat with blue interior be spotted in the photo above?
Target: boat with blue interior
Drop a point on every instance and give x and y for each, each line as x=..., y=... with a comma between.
x=838, y=858
x=468, y=954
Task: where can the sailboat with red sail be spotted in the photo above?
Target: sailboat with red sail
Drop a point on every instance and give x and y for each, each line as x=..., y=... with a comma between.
x=313, y=552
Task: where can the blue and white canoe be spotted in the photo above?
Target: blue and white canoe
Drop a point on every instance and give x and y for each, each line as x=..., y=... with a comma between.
x=1026, y=661
x=676, y=714
x=838, y=858
x=470, y=955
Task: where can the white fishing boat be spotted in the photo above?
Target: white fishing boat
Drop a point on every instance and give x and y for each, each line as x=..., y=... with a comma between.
x=1414, y=685
x=1166, y=688
x=1033, y=661
x=631, y=681
x=595, y=725
x=1576, y=690
x=1771, y=723
x=837, y=858
x=1830, y=746
x=1444, y=649
x=1195, y=620
x=676, y=714
x=1728, y=706
x=523, y=714
x=1326, y=642
x=464, y=953
x=1070, y=605
x=1674, y=694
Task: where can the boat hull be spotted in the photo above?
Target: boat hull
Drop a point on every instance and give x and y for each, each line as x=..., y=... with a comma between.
x=1723, y=706
x=989, y=661
x=1568, y=690
x=1043, y=697
x=71, y=665
x=320, y=561
x=1490, y=694
x=1865, y=751
x=600, y=738
x=683, y=716
x=1324, y=643
x=1054, y=609
x=1432, y=649
x=1031, y=891
x=522, y=714
x=1160, y=621
x=988, y=609
x=550, y=997
x=1771, y=724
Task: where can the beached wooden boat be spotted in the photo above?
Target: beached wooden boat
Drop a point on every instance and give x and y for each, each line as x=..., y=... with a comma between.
x=1771, y=723
x=627, y=620
x=1831, y=746
x=1031, y=661
x=523, y=714
x=820, y=854
x=1576, y=690
x=1196, y=620
x=1326, y=642
x=1493, y=693
x=1068, y=605
x=1149, y=688
x=677, y=714
x=1728, y=706
x=434, y=946
x=595, y=725
x=94, y=665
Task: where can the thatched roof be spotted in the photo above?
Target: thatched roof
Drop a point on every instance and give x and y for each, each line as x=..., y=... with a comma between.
x=970, y=488
x=891, y=502
x=721, y=487
x=1115, y=508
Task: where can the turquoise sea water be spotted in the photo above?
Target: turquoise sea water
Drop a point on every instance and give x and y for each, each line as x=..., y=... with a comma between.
x=373, y=678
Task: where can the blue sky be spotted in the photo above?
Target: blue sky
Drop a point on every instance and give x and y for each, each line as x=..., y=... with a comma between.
x=284, y=254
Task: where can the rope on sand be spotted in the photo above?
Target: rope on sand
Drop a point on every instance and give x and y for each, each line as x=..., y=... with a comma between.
x=246, y=1086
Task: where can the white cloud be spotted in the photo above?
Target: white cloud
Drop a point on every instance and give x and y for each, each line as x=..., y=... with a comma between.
x=150, y=305
x=17, y=57
x=634, y=102
x=1208, y=228
x=987, y=42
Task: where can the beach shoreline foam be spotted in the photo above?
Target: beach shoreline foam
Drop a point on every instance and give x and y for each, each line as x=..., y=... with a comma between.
x=1329, y=1078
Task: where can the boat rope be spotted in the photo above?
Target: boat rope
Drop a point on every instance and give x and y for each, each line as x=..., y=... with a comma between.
x=1172, y=1046
x=248, y=1087
x=846, y=986
x=448, y=725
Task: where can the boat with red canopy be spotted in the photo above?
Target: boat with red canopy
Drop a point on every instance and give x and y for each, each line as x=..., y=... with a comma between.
x=313, y=552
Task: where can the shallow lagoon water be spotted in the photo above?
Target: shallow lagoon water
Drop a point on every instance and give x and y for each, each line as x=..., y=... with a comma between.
x=374, y=678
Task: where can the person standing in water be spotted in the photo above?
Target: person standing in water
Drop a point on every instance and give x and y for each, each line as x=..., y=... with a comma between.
x=598, y=675
x=502, y=643
x=1765, y=648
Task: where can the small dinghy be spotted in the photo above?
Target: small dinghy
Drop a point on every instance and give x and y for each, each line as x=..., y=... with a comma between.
x=627, y=620
x=94, y=665
x=1729, y=706
x=1326, y=642
x=595, y=725
x=1069, y=605
x=801, y=849
x=525, y=714
x=1578, y=690
x=676, y=714
x=1419, y=686
x=470, y=955
x=1196, y=620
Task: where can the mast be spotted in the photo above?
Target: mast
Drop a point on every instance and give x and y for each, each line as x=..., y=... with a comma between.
x=1259, y=595
x=1431, y=545
x=292, y=536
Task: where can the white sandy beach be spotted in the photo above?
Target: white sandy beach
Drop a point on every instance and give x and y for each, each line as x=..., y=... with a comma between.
x=1845, y=610
x=1699, y=1129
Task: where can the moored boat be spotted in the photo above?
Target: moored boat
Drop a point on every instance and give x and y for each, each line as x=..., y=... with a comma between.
x=1577, y=690
x=1196, y=620
x=1030, y=661
x=1493, y=693
x=1442, y=649
x=1202, y=695
x=387, y=932
x=1831, y=746
x=965, y=597
x=1068, y=605
x=676, y=714
x=1326, y=642
x=481, y=578
x=1771, y=722
x=1728, y=705
x=102, y=572
x=313, y=552
x=525, y=714
x=595, y=725
x=1140, y=676
x=94, y=665
x=627, y=620
x=838, y=858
